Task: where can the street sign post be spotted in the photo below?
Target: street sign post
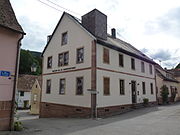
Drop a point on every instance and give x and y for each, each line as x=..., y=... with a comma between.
x=5, y=73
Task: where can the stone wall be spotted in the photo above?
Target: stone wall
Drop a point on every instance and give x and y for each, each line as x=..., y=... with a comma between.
x=50, y=110
x=5, y=113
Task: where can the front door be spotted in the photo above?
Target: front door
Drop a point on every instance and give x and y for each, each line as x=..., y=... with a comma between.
x=133, y=89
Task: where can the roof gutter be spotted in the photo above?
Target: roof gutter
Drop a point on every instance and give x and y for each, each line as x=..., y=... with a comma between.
x=15, y=83
x=17, y=31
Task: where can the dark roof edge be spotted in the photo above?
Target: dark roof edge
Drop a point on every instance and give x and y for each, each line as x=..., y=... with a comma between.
x=123, y=51
x=13, y=29
x=166, y=79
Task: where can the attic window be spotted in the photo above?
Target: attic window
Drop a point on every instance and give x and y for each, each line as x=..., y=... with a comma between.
x=49, y=62
x=80, y=55
x=64, y=38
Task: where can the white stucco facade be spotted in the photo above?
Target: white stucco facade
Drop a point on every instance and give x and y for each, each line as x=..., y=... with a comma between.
x=23, y=101
x=79, y=37
x=125, y=73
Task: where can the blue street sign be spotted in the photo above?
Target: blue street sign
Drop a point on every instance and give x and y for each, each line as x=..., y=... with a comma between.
x=5, y=73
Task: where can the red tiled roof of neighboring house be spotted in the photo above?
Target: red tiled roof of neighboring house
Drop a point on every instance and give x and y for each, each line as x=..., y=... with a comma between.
x=25, y=82
x=8, y=18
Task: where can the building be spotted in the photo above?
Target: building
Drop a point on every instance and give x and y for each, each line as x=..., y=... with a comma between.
x=11, y=34
x=24, y=87
x=35, y=96
x=176, y=74
x=165, y=77
x=87, y=72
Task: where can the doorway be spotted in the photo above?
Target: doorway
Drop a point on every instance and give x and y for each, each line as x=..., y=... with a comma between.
x=133, y=90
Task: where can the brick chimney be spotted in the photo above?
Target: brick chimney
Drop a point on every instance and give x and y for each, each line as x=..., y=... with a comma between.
x=96, y=23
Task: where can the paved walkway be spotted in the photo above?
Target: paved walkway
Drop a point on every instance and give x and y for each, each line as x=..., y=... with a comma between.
x=160, y=120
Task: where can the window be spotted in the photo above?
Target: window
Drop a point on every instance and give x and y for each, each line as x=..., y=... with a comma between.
x=22, y=93
x=143, y=88
x=48, y=86
x=80, y=55
x=106, y=86
x=150, y=68
x=121, y=86
x=35, y=97
x=66, y=58
x=64, y=38
x=63, y=59
x=79, y=86
x=133, y=63
x=62, y=85
x=49, y=62
x=106, y=56
x=151, y=84
x=121, y=60
x=142, y=67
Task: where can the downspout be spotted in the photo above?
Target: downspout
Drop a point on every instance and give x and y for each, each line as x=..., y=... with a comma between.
x=15, y=84
x=156, y=88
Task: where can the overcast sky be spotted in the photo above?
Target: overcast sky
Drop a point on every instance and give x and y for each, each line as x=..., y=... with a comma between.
x=152, y=26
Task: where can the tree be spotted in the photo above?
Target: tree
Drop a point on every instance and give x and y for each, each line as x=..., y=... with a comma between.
x=27, y=60
x=164, y=93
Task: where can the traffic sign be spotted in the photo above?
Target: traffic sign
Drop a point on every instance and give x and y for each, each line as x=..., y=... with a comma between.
x=5, y=73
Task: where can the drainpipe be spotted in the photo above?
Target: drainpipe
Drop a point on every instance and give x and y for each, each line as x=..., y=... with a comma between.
x=15, y=83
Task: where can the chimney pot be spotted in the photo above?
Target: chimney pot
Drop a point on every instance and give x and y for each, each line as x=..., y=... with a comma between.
x=48, y=38
x=113, y=33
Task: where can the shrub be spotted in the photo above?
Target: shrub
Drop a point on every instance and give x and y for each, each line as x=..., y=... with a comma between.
x=18, y=126
x=164, y=93
x=145, y=101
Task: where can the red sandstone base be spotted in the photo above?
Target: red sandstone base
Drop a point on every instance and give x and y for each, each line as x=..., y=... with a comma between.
x=5, y=112
x=49, y=110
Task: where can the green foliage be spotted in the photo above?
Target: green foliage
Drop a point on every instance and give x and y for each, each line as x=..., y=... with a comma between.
x=18, y=126
x=164, y=93
x=27, y=58
x=145, y=101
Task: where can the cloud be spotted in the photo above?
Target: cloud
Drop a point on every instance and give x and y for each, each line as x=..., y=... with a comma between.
x=166, y=58
x=168, y=23
x=162, y=55
x=35, y=34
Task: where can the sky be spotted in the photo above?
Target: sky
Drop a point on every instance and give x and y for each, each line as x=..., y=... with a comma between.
x=152, y=26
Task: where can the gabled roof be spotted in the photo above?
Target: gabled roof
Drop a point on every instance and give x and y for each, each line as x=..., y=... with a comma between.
x=113, y=43
x=8, y=18
x=25, y=82
x=165, y=78
x=74, y=18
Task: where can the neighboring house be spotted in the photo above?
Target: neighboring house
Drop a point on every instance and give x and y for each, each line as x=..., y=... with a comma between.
x=87, y=72
x=23, y=93
x=165, y=77
x=11, y=34
x=176, y=73
x=35, y=96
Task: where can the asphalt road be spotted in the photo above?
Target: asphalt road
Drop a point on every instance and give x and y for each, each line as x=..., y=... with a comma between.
x=159, y=120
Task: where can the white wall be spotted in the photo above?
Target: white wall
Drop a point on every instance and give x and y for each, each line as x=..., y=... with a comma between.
x=115, y=98
x=20, y=99
x=70, y=97
x=77, y=38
